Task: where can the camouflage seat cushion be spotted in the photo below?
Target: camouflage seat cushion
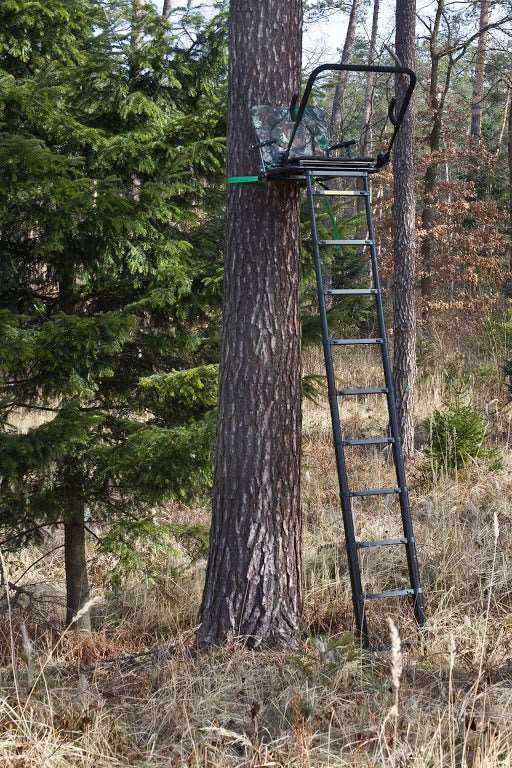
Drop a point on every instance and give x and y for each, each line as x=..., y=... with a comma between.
x=273, y=124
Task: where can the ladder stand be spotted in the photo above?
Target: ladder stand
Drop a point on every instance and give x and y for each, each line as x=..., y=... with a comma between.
x=313, y=171
x=353, y=546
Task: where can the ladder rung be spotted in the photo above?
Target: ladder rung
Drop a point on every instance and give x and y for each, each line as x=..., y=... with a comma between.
x=345, y=174
x=351, y=292
x=340, y=193
x=380, y=543
x=369, y=441
x=345, y=242
x=363, y=391
x=389, y=593
x=375, y=492
x=349, y=342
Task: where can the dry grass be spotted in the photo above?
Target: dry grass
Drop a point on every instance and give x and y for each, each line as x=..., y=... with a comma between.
x=132, y=694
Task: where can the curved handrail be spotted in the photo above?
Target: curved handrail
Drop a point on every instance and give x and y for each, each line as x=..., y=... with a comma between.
x=396, y=120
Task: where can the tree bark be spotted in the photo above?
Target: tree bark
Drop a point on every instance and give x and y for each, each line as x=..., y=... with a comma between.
x=370, y=80
x=253, y=588
x=136, y=36
x=75, y=561
x=478, y=82
x=509, y=147
x=436, y=102
x=167, y=9
x=346, y=55
x=404, y=221
x=77, y=581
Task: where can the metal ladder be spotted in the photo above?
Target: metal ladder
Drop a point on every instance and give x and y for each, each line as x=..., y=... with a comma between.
x=359, y=596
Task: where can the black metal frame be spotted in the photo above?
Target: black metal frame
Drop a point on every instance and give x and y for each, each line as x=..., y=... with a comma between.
x=395, y=119
x=359, y=597
x=312, y=170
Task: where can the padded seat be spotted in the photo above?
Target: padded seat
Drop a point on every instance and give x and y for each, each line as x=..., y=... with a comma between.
x=274, y=127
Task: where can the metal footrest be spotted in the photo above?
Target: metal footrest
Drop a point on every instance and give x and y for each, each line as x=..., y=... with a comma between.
x=351, y=292
x=380, y=543
x=354, y=342
x=350, y=392
x=374, y=492
x=339, y=193
x=345, y=242
x=390, y=593
x=369, y=441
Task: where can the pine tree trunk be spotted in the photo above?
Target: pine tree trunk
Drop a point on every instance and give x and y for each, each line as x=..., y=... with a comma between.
x=370, y=81
x=77, y=581
x=167, y=9
x=478, y=82
x=404, y=219
x=253, y=588
x=509, y=147
x=348, y=48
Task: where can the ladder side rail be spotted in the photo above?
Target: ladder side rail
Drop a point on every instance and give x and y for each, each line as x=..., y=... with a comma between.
x=412, y=558
x=346, y=504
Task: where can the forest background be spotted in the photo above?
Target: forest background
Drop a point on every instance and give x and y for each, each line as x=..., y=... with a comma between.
x=113, y=125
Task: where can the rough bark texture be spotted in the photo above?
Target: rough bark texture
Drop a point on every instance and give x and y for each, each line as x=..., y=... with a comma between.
x=77, y=582
x=253, y=588
x=404, y=218
x=370, y=81
x=478, y=82
x=509, y=146
x=346, y=55
x=167, y=9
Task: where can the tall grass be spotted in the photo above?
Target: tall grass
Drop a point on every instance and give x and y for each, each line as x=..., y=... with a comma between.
x=133, y=694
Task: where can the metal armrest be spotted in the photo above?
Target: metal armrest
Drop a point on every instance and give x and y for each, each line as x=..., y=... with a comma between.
x=343, y=145
x=395, y=119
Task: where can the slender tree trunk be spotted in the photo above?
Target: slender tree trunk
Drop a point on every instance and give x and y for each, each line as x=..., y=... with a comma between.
x=404, y=221
x=75, y=562
x=478, y=82
x=504, y=122
x=137, y=39
x=77, y=581
x=348, y=47
x=137, y=35
x=253, y=588
x=509, y=147
x=428, y=216
x=167, y=9
x=370, y=81
x=430, y=179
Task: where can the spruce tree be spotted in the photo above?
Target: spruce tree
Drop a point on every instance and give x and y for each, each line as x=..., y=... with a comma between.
x=107, y=293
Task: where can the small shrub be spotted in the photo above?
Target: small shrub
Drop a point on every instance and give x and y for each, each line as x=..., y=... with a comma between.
x=457, y=435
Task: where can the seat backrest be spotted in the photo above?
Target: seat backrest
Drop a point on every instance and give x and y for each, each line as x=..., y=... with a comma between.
x=274, y=126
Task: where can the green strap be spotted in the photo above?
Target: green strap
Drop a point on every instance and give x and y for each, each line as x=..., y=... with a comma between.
x=242, y=179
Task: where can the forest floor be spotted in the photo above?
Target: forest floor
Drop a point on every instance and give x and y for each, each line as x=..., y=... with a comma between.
x=132, y=694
